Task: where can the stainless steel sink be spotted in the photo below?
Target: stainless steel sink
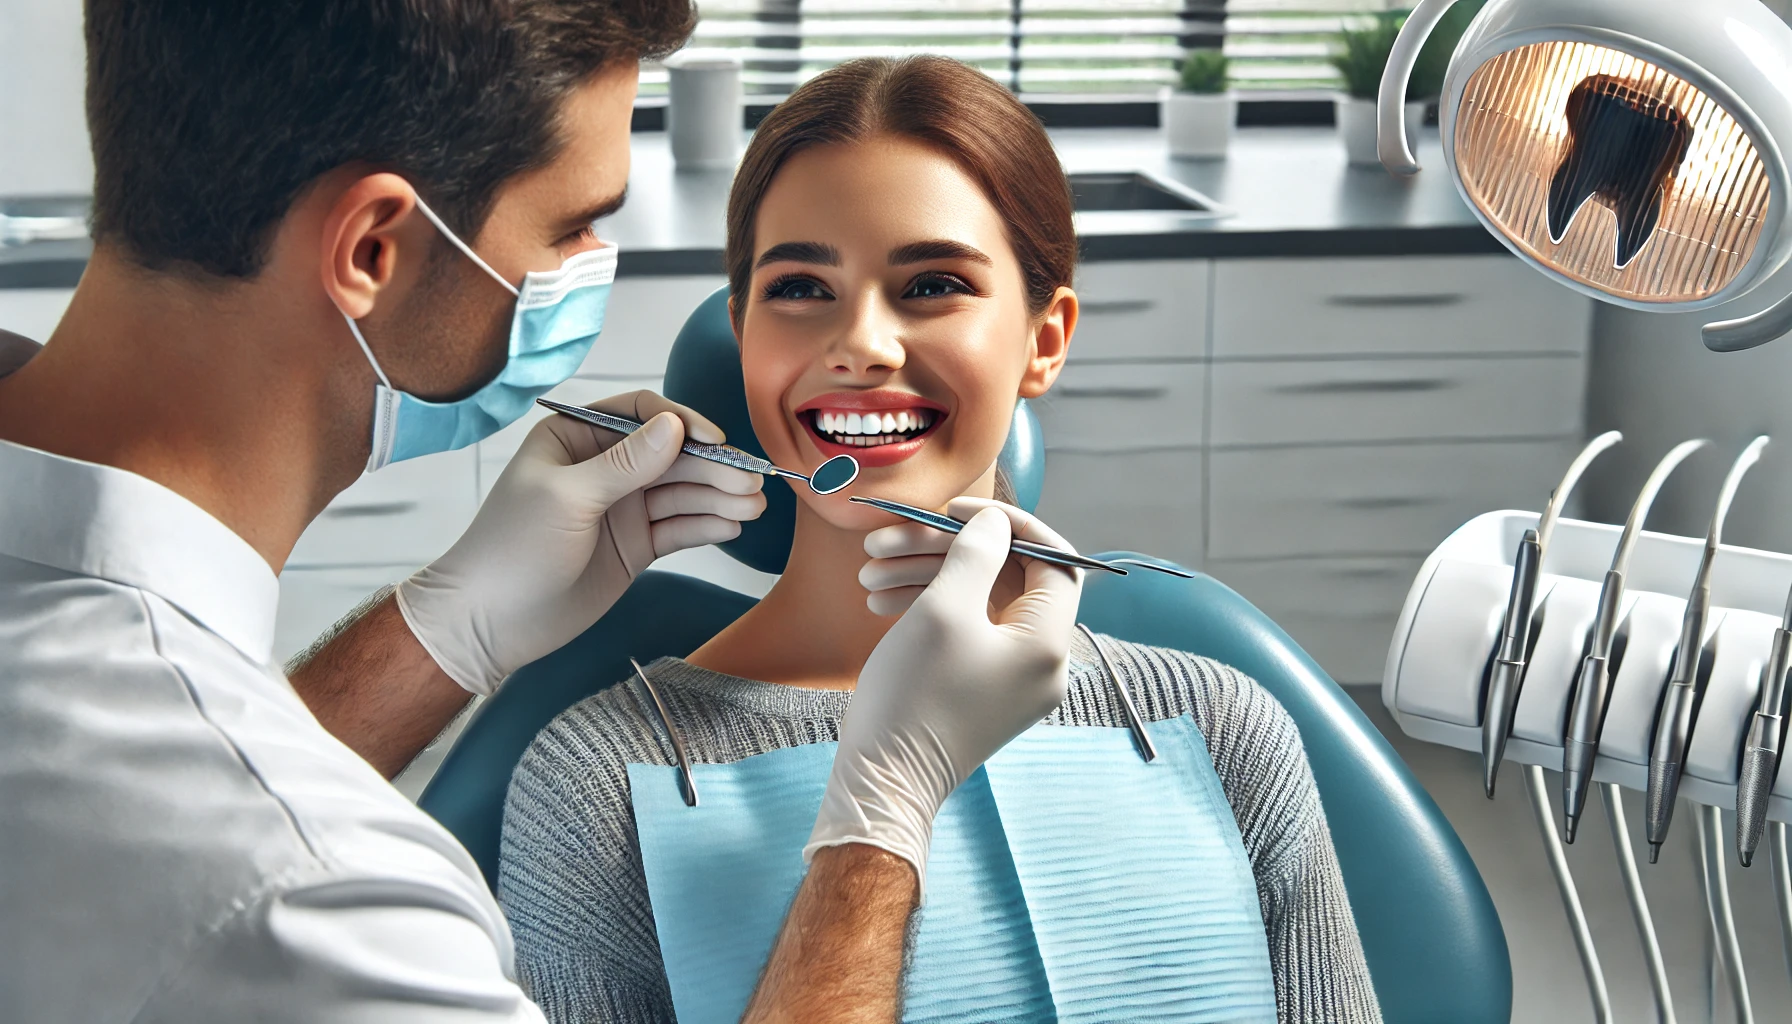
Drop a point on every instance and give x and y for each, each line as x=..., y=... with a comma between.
x=1137, y=192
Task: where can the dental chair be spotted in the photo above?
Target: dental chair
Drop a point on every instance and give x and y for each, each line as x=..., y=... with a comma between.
x=1429, y=930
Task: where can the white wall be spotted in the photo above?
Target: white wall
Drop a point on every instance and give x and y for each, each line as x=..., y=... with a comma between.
x=43, y=128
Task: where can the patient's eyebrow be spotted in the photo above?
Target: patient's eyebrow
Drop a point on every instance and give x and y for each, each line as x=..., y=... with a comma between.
x=800, y=252
x=937, y=249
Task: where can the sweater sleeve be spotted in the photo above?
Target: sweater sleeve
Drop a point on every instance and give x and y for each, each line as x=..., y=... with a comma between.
x=570, y=878
x=1321, y=975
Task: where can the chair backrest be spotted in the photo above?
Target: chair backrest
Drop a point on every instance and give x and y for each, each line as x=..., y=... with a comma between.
x=1432, y=938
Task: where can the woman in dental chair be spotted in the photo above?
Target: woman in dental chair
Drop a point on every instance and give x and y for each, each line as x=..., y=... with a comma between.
x=900, y=253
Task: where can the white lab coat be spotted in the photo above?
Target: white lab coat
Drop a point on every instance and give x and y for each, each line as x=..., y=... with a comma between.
x=180, y=840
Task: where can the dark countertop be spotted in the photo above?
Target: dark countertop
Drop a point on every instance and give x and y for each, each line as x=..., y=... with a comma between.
x=1290, y=191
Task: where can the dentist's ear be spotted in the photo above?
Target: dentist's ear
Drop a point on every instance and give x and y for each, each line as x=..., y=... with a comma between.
x=371, y=240
x=1050, y=343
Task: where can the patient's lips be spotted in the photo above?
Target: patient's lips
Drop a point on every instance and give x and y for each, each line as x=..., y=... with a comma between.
x=878, y=428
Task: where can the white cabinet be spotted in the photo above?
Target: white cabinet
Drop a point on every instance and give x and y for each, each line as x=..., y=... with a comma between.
x=1305, y=429
x=407, y=513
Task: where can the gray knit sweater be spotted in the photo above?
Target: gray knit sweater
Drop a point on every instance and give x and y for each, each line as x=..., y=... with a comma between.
x=570, y=876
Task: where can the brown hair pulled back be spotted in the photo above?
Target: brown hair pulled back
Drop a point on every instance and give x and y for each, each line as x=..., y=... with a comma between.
x=942, y=103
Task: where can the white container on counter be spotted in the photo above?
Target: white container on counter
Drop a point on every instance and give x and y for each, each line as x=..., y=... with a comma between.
x=703, y=116
x=1196, y=124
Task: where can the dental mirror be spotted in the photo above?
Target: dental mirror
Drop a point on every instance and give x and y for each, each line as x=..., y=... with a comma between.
x=834, y=474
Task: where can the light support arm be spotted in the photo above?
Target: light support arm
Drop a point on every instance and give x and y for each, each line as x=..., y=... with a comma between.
x=1390, y=102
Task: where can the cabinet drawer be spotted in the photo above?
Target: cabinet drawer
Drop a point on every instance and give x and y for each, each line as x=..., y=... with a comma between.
x=312, y=600
x=1124, y=406
x=1148, y=501
x=641, y=320
x=1339, y=401
x=1393, y=306
x=1154, y=309
x=407, y=513
x=1382, y=499
x=1340, y=610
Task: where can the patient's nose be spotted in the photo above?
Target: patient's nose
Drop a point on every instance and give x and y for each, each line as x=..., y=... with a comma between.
x=870, y=343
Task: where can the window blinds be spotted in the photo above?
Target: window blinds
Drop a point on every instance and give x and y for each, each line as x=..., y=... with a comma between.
x=1094, y=48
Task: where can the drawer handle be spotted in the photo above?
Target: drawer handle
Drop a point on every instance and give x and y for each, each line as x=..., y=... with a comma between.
x=1395, y=301
x=1116, y=305
x=1134, y=393
x=1368, y=387
x=381, y=508
x=1378, y=504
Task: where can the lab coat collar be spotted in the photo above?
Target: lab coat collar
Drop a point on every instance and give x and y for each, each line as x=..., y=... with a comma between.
x=100, y=521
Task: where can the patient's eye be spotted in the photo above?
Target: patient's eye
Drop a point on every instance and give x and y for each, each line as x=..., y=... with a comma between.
x=937, y=284
x=797, y=288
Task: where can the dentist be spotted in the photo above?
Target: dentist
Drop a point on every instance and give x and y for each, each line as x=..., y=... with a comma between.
x=330, y=235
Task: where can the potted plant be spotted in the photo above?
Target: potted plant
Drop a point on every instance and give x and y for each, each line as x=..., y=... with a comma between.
x=1197, y=115
x=1361, y=56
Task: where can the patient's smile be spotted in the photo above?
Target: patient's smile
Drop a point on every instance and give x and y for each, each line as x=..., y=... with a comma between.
x=879, y=429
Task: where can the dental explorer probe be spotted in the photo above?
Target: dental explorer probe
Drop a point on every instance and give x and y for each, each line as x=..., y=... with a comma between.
x=1593, y=691
x=833, y=475
x=1761, y=752
x=1511, y=655
x=1673, y=724
x=1031, y=549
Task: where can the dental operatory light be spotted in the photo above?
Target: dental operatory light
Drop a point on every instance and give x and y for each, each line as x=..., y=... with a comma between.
x=1627, y=148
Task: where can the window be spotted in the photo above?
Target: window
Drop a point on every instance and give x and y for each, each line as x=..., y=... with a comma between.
x=1097, y=49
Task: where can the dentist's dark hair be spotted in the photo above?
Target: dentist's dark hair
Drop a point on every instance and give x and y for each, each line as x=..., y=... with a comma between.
x=209, y=118
x=939, y=102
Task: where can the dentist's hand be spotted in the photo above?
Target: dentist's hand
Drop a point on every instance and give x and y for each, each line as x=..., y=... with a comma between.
x=573, y=519
x=952, y=682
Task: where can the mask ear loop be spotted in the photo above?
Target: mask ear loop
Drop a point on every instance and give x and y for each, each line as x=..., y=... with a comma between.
x=454, y=239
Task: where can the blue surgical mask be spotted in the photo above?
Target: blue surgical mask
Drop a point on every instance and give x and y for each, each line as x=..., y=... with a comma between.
x=558, y=316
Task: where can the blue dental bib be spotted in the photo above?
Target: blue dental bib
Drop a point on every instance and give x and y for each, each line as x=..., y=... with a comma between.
x=1068, y=881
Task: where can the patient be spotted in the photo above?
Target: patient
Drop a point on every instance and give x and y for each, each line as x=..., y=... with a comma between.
x=900, y=250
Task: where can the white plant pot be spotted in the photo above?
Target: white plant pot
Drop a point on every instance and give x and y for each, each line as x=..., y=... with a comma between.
x=1356, y=123
x=1197, y=124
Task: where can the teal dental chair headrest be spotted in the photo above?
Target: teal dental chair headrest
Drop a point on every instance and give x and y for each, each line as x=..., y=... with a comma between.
x=1429, y=930
x=703, y=372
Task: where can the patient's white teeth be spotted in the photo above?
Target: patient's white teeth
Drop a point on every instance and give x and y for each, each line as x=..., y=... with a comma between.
x=834, y=424
x=902, y=420
x=889, y=423
x=854, y=423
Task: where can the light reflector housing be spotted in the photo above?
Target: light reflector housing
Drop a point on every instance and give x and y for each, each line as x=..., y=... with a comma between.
x=1512, y=135
x=1630, y=149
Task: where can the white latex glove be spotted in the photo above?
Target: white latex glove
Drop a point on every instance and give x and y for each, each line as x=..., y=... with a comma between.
x=951, y=682
x=573, y=519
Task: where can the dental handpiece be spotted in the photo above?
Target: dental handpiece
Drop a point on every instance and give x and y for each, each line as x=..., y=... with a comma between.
x=1761, y=751
x=832, y=475
x=1674, y=723
x=1511, y=654
x=1593, y=691
x=1509, y=660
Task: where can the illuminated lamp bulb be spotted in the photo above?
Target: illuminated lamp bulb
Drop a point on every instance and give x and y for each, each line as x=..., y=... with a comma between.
x=1629, y=150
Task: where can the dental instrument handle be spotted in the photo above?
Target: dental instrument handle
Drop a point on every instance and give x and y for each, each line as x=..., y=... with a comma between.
x=1508, y=665
x=1761, y=751
x=1592, y=691
x=1674, y=723
x=1586, y=716
x=727, y=455
x=1031, y=549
